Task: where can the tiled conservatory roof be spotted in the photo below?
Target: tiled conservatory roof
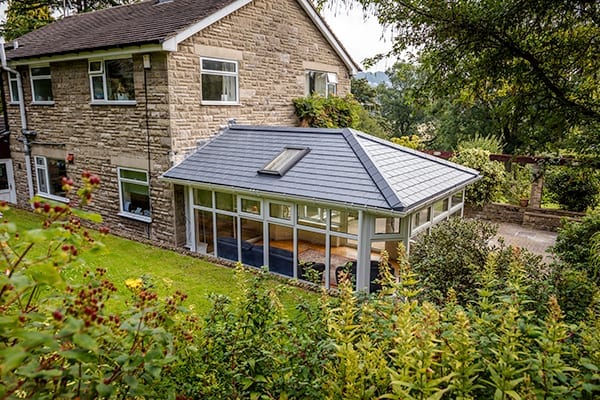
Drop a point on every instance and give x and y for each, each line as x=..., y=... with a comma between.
x=343, y=166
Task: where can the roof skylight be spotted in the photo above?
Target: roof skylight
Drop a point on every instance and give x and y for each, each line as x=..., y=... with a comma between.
x=285, y=160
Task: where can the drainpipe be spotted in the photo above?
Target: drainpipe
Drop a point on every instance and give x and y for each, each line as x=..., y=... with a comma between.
x=26, y=133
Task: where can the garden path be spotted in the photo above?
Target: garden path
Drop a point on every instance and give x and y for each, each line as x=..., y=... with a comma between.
x=534, y=240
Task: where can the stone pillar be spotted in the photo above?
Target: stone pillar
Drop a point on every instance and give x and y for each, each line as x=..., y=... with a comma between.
x=535, y=198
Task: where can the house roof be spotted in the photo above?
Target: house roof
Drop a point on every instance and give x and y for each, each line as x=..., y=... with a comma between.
x=343, y=166
x=164, y=23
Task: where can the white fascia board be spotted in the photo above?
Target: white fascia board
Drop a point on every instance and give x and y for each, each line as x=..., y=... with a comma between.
x=123, y=51
x=353, y=67
x=171, y=43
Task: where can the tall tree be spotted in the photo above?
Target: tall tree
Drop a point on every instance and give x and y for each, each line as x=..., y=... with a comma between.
x=533, y=63
x=24, y=17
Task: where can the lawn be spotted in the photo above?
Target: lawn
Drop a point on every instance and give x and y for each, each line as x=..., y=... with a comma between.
x=167, y=270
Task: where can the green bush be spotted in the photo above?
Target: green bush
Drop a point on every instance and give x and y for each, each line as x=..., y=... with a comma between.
x=489, y=187
x=574, y=188
x=574, y=245
x=332, y=112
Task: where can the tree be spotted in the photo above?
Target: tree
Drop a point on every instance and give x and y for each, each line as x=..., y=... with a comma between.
x=534, y=63
x=24, y=17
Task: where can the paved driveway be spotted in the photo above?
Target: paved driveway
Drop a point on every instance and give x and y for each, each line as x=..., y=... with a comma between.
x=536, y=241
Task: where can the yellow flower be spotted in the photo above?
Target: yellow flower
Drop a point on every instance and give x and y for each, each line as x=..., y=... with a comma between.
x=134, y=284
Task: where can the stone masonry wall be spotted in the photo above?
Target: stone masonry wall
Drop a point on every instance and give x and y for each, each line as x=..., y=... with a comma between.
x=102, y=138
x=275, y=43
x=532, y=217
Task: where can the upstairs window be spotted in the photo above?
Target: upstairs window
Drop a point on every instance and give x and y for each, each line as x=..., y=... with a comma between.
x=41, y=85
x=321, y=83
x=14, y=87
x=49, y=174
x=112, y=80
x=219, y=81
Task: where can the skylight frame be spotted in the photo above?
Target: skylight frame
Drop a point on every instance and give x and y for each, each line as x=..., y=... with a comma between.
x=270, y=167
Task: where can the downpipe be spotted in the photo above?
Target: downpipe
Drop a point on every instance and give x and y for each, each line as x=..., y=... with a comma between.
x=24, y=131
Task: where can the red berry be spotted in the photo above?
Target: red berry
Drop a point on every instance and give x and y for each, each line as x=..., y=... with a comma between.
x=57, y=315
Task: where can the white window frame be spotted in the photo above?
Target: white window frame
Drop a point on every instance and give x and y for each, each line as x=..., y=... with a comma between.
x=43, y=168
x=331, y=83
x=221, y=73
x=102, y=73
x=40, y=78
x=14, y=97
x=128, y=214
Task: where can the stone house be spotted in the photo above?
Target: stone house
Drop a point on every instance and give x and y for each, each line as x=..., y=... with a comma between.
x=128, y=92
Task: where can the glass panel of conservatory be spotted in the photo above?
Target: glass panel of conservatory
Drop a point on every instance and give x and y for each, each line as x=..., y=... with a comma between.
x=344, y=221
x=203, y=198
x=204, y=232
x=252, y=242
x=440, y=207
x=225, y=201
x=343, y=259
x=281, y=249
x=387, y=225
x=251, y=206
x=311, y=253
x=227, y=246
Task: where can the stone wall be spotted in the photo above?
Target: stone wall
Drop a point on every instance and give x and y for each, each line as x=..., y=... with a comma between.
x=532, y=217
x=275, y=43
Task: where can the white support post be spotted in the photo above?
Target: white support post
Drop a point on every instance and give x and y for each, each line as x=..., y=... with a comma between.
x=363, y=267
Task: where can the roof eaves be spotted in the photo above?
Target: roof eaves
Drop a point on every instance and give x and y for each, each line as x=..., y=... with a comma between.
x=378, y=179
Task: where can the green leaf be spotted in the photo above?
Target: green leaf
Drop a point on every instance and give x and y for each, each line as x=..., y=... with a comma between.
x=90, y=216
x=45, y=274
x=86, y=342
x=12, y=358
x=37, y=235
x=105, y=390
x=82, y=356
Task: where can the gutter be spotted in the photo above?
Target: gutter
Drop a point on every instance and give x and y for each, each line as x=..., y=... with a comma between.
x=24, y=131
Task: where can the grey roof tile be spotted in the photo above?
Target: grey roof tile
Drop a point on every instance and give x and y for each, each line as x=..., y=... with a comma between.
x=343, y=166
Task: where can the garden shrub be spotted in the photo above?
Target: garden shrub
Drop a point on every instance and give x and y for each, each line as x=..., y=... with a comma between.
x=574, y=188
x=574, y=245
x=489, y=187
x=451, y=256
x=316, y=111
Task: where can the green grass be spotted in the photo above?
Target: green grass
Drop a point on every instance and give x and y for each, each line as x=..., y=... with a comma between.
x=167, y=270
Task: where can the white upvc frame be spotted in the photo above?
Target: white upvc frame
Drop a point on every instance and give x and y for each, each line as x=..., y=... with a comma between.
x=125, y=213
x=41, y=167
x=235, y=75
x=102, y=73
x=331, y=81
x=14, y=93
x=34, y=78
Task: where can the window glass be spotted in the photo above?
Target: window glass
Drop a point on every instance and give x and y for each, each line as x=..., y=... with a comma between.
x=225, y=201
x=321, y=83
x=112, y=80
x=457, y=198
x=312, y=216
x=219, y=80
x=251, y=206
x=344, y=221
x=312, y=259
x=227, y=246
x=285, y=160
x=203, y=198
x=281, y=249
x=119, y=79
x=252, y=244
x=49, y=173
x=204, y=231
x=14, y=91
x=280, y=211
x=387, y=225
x=135, y=193
x=343, y=258
x=421, y=217
x=440, y=207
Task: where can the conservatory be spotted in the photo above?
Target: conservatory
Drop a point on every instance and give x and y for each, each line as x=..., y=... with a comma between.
x=311, y=203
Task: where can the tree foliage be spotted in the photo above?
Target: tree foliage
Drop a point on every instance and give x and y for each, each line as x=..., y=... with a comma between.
x=492, y=174
x=528, y=68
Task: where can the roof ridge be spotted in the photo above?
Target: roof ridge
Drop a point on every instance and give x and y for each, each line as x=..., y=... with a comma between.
x=379, y=180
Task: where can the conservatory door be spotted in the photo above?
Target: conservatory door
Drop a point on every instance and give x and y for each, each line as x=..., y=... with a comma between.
x=7, y=182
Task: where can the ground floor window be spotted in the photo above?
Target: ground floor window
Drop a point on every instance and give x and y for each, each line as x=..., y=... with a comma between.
x=49, y=174
x=134, y=191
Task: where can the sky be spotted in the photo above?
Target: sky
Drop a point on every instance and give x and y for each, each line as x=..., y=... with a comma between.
x=362, y=37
